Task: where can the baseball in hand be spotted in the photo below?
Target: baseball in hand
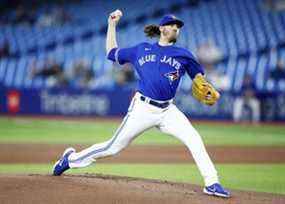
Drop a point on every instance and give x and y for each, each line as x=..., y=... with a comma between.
x=117, y=13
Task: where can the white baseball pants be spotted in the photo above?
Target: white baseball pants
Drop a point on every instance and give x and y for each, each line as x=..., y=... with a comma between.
x=140, y=117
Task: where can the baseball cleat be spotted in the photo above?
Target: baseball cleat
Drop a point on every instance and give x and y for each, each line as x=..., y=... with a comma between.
x=62, y=164
x=216, y=190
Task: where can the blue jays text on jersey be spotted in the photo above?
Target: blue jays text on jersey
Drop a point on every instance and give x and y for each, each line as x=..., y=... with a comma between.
x=159, y=68
x=168, y=60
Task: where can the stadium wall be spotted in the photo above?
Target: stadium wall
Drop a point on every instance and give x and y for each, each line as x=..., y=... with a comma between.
x=114, y=103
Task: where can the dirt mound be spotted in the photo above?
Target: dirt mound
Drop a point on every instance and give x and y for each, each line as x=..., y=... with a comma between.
x=46, y=153
x=28, y=189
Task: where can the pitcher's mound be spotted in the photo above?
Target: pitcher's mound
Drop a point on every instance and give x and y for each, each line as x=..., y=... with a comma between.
x=79, y=189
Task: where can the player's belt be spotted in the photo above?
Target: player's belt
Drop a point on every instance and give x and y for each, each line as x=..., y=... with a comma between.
x=155, y=103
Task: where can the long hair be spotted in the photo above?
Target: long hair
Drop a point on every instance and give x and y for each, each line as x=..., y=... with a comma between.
x=152, y=31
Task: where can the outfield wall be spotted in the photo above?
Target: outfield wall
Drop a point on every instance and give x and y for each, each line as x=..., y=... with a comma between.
x=114, y=103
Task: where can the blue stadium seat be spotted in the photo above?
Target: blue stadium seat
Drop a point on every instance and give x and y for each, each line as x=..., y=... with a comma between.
x=245, y=31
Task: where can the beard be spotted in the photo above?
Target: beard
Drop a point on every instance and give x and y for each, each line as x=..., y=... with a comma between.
x=173, y=40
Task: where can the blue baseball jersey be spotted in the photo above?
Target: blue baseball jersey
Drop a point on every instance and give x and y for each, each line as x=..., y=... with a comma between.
x=159, y=68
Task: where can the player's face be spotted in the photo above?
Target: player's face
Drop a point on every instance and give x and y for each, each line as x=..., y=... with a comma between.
x=170, y=32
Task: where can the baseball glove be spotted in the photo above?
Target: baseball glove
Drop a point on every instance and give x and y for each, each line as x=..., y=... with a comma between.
x=204, y=91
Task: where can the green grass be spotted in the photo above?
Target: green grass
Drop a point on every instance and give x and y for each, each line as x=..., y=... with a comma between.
x=13, y=130
x=263, y=178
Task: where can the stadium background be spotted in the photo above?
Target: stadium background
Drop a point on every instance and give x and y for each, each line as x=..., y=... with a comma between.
x=58, y=89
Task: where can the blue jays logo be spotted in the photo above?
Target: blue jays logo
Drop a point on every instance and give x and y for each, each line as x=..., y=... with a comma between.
x=172, y=76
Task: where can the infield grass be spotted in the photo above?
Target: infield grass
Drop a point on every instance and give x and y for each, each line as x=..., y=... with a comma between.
x=263, y=178
x=23, y=130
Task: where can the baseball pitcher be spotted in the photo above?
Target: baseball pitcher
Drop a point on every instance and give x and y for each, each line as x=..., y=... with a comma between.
x=160, y=67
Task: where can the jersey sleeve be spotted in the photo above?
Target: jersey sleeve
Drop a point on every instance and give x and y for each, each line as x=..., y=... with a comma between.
x=123, y=55
x=111, y=54
x=193, y=67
